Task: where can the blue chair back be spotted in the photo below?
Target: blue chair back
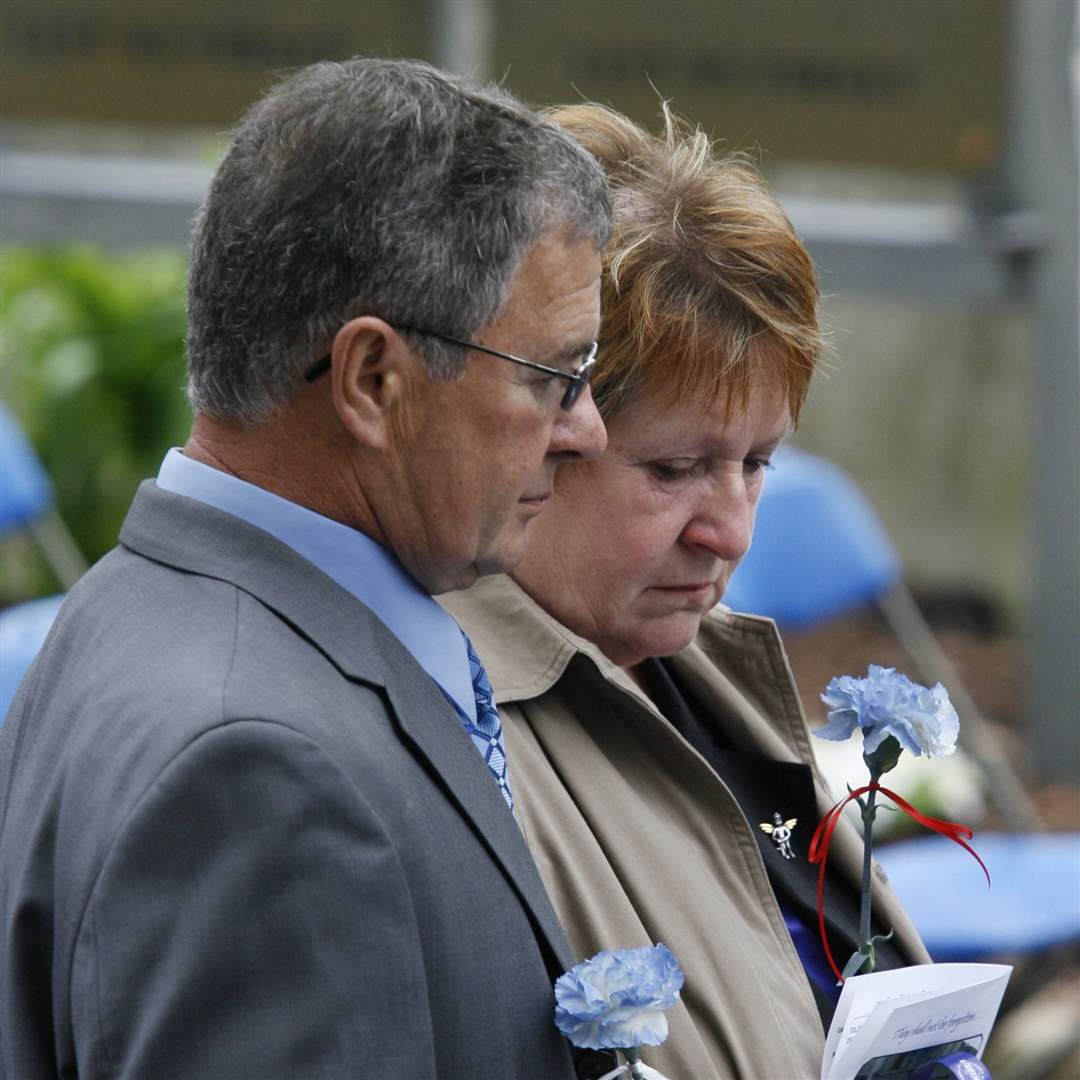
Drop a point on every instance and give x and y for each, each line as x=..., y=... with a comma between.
x=819, y=549
x=25, y=491
x=26, y=502
x=1034, y=904
x=23, y=628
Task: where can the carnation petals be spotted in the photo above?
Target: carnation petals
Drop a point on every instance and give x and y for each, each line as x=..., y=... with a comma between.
x=616, y=1000
x=888, y=703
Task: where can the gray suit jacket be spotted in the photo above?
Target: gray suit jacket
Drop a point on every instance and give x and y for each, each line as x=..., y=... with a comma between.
x=243, y=834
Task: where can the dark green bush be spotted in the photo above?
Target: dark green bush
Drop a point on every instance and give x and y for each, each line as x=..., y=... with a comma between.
x=92, y=351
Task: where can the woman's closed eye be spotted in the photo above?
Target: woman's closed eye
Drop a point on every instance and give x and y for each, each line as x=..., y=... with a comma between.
x=757, y=464
x=671, y=472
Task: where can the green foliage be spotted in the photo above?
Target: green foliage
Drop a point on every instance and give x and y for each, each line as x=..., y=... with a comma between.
x=92, y=354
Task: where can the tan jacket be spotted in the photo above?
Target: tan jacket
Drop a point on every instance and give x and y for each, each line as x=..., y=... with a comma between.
x=638, y=840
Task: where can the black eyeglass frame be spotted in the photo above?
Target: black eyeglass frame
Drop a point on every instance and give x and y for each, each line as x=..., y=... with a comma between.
x=577, y=379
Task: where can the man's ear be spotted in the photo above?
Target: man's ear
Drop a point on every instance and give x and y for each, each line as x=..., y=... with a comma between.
x=371, y=371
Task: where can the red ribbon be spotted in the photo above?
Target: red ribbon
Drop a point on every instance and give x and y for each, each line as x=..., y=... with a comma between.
x=819, y=847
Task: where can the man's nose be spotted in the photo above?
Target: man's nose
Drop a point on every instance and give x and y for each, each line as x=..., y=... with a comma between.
x=579, y=432
x=723, y=521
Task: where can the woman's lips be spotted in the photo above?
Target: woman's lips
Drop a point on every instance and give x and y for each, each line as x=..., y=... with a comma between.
x=693, y=591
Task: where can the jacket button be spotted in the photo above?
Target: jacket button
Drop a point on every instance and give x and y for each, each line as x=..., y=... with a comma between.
x=592, y=1064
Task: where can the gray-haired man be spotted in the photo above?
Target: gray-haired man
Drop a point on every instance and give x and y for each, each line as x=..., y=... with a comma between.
x=246, y=829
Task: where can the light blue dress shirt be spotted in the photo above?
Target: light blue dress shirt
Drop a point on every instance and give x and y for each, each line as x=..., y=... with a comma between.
x=355, y=561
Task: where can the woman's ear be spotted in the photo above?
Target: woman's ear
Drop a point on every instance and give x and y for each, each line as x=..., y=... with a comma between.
x=371, y=370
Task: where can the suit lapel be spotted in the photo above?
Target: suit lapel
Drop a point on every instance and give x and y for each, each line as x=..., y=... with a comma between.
x=200, y=539
x=423, y=715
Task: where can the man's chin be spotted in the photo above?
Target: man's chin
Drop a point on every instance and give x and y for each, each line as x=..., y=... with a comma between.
x=501, y=563
x=504, y=555
x=455, y=582
x=500, y=557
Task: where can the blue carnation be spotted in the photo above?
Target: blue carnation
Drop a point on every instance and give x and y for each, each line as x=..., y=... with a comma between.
x=887, y=703
x=616, y=1000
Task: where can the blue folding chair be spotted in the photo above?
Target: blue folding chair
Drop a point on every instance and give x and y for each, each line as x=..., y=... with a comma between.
x=1033, y=905
x=22, y=630
x=820, y=551
x=1030, y=918
x=26, y=504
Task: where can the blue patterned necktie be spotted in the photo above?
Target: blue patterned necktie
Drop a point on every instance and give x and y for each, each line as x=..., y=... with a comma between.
x=486, y=733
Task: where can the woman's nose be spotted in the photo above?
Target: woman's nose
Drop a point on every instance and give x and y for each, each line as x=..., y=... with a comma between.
x=723, y=523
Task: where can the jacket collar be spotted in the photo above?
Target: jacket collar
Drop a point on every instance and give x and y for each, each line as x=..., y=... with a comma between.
x=738, y=659
x=524, y=649
x=199, y=539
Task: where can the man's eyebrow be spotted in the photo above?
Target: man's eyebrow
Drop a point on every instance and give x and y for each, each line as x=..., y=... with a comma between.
x=571, y=353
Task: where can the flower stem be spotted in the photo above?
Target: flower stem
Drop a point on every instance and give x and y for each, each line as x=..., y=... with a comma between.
x=633, y=1059
x=865, y=944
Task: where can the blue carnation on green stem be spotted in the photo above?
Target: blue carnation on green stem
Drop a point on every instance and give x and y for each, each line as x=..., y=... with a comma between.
x=886, y=703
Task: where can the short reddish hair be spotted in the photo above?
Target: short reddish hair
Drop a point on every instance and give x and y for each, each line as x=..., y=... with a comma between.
x=707, y=289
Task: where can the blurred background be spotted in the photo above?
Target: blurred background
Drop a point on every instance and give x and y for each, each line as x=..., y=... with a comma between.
x=927, y=152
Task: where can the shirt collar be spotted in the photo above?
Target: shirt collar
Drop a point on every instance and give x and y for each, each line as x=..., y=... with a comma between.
x=357, y=563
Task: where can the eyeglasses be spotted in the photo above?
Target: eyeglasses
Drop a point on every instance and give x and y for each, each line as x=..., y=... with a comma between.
x=578, y=379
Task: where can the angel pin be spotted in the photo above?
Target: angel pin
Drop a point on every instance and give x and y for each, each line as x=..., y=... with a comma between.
x=780, y=831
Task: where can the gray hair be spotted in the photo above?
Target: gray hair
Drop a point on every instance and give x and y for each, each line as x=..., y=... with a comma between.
x=370, y=187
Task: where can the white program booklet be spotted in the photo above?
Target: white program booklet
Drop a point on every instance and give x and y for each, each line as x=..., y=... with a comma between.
x=890, y=1023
